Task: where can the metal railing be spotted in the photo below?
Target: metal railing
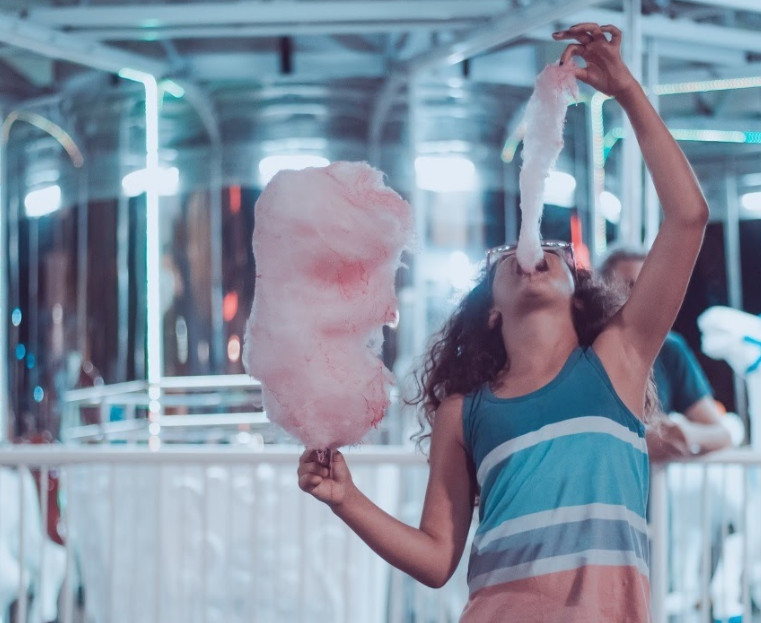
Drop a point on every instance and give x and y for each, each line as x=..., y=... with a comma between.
x=203, y=533
x=706, y=538
x=222, y=533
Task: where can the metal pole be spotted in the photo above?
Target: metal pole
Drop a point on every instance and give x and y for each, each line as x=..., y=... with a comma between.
x=419, y=328
x=733, y=267
x=652, y=205
x=218, y=346
x=5, y=403
x=122, y=272
x=595, y=176
x=82, y=265
x=154, y=350
x=631, y=218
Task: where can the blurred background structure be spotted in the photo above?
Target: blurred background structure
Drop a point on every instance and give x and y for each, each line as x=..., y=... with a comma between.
x=136, y=138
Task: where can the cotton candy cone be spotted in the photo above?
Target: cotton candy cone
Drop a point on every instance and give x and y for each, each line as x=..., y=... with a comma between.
x=327, y=245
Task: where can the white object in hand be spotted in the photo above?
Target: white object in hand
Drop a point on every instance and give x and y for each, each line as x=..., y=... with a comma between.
x=544, y=120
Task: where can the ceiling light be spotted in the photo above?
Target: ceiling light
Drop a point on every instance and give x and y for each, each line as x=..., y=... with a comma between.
x=610, y=206
x=42, y=201
x=167, y=181
x=560, y=189
x=445, y=173
x=751, y=201
x=270, y=165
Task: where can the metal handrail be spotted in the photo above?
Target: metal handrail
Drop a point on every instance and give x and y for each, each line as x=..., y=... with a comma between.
x=16, y=454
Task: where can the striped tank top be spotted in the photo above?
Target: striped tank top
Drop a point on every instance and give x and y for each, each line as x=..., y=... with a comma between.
x=563, y=474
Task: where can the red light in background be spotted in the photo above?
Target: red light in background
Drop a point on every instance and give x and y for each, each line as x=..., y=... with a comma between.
x=580, y=250
x=235, y=199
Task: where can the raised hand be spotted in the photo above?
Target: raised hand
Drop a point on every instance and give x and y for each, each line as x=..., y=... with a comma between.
x=328, y=483
x=605, y=70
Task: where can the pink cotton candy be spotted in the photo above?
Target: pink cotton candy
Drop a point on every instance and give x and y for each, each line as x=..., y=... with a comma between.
x=542, y=142
x=327, y=244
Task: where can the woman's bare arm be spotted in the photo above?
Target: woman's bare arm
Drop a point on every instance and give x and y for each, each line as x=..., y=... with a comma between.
x=431, y=552
x=632, y=341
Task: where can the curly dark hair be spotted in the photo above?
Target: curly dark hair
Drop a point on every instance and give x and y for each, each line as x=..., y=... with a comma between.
x=467, y=353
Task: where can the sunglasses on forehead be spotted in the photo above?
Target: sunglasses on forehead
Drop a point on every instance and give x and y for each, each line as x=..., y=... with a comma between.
x=564, y=250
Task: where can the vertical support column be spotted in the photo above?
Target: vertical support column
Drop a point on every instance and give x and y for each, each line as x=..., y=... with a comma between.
x=595, y=175
x=154, y=346
x=122, y=279
x=218, y=345
x=154, y=354
x=733, y=267
x=652, y=205
x=631, y=217
x=420, y=314
x=82, y=266
x=5, y=402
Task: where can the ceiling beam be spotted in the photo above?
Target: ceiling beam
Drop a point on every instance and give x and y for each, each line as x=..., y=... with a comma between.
x=501, y=30
x=678, y=30
x=252, y=31
x=284, y=13
x=47, y=41
x=751, y=6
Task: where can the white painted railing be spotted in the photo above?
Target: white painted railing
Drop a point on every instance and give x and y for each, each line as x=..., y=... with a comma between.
x=706, y=538
x=212, y=533
x=222, y=533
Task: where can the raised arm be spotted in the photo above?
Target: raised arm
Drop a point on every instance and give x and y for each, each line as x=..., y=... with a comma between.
x=431, y=552
x=637, y=333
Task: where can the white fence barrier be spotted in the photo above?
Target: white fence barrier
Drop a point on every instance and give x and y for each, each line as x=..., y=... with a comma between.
x=706, y=535
x=215, y=533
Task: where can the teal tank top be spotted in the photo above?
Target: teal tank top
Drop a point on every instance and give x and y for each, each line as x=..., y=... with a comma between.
x=563, y=474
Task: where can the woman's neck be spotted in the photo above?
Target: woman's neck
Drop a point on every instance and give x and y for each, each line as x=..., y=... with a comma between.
x=538, y=344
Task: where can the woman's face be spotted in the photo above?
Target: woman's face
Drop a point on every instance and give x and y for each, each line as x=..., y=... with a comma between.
x=516, y=291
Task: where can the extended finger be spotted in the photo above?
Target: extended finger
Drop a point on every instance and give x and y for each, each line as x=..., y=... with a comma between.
x=581, y=36
x=575, y=49
x=614, y=32
x=593, y=30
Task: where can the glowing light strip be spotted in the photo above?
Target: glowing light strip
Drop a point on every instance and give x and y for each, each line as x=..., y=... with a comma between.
x=598, y=168
x=702, y=86
x=511, y=143
x=46, y=125
x=154, y=353
x=694, y=135
x=598, y=128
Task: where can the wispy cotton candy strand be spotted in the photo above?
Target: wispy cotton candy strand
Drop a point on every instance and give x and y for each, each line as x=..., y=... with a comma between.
x=543, y=139
x=327, y=244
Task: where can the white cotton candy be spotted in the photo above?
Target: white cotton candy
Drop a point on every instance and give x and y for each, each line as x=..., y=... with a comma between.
x=735, y=336
x=327, y=244
x=542, y=142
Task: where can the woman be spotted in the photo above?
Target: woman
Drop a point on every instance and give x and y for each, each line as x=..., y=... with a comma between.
x=548, y=425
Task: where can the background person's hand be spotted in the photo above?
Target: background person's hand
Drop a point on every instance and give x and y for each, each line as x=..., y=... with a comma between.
x=667, y=440
x=328, y=483
x=605, y=70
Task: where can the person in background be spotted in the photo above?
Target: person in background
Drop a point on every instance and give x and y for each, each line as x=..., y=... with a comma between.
x=696, y=425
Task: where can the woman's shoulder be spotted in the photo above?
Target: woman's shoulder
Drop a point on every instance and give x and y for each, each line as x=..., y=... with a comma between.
x=451, y=406
x=448, y=421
